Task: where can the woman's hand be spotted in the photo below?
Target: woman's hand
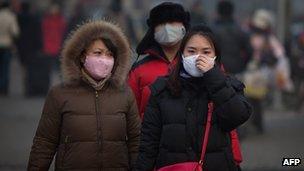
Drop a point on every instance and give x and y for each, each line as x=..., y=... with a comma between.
x=205, y=63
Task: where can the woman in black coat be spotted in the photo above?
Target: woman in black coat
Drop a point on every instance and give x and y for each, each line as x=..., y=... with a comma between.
x=176, y=113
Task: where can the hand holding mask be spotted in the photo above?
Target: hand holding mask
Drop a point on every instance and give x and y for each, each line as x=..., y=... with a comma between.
x=205, y=63
x=197, y=65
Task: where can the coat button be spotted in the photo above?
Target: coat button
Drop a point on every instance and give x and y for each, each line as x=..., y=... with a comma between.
x=189, y=109
x=190, y=148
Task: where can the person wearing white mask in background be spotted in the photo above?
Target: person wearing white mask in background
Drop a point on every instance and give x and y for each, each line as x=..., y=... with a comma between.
x=176, y=114
x=167, y=23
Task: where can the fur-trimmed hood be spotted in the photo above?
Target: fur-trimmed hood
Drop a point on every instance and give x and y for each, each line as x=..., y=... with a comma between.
x=82, y=37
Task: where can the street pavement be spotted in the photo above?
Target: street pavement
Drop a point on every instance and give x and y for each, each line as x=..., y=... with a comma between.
x=283, y=138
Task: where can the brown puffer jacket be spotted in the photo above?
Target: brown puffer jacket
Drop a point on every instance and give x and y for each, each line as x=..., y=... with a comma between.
x=89, y=129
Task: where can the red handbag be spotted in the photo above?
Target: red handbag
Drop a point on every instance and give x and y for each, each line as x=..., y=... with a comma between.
x=194, y=166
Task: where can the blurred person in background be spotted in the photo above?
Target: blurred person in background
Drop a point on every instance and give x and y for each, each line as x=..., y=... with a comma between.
x=234, y=42
x=9, y=31
x=197, y=13
x=29, y=44
x=77, y=17
x=297, y=62
x=268, y=68
x=53, y=28
x=90, y=121
x=117, y=13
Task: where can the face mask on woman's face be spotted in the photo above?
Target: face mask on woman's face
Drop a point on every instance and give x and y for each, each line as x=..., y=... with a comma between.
x=189, y=63
x=169, y=34
x=99, y=67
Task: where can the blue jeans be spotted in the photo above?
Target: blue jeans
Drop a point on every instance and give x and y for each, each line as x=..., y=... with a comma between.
x=5, y=58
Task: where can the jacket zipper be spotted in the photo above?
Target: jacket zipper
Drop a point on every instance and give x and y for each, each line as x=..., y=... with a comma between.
x=65, y=149
x=98, y=116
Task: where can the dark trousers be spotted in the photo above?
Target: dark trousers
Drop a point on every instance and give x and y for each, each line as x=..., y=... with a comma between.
x=5, y=58
x=257, y=116
x=38, y=75
x=299, y=96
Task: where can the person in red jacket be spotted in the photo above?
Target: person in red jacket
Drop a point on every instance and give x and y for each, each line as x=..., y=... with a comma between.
x=53, y=30
x=168, y=23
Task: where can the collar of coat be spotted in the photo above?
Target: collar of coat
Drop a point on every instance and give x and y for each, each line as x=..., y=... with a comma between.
x=96, y=85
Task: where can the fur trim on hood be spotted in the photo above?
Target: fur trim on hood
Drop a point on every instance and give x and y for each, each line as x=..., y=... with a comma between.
x=82, y=37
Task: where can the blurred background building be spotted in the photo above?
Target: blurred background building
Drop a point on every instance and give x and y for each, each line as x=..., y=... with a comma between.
x=43, y=25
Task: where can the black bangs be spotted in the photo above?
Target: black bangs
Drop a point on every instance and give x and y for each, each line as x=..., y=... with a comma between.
x=109, y=44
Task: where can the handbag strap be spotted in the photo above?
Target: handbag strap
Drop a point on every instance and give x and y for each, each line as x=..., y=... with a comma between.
x=206, y=134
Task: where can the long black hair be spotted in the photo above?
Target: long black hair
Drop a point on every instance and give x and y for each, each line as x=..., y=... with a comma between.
x=174, y=83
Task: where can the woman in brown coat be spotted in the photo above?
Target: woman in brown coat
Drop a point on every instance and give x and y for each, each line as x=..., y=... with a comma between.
x=90, y=121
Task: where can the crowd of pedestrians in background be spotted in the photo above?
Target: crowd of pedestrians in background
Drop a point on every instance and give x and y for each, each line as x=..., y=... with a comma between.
x=165, y=53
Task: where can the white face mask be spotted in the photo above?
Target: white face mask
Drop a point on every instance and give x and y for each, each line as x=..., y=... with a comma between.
x=169, y=35
x=189, y=64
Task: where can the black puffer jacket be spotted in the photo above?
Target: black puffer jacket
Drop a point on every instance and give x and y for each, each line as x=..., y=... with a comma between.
x=173, y=126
